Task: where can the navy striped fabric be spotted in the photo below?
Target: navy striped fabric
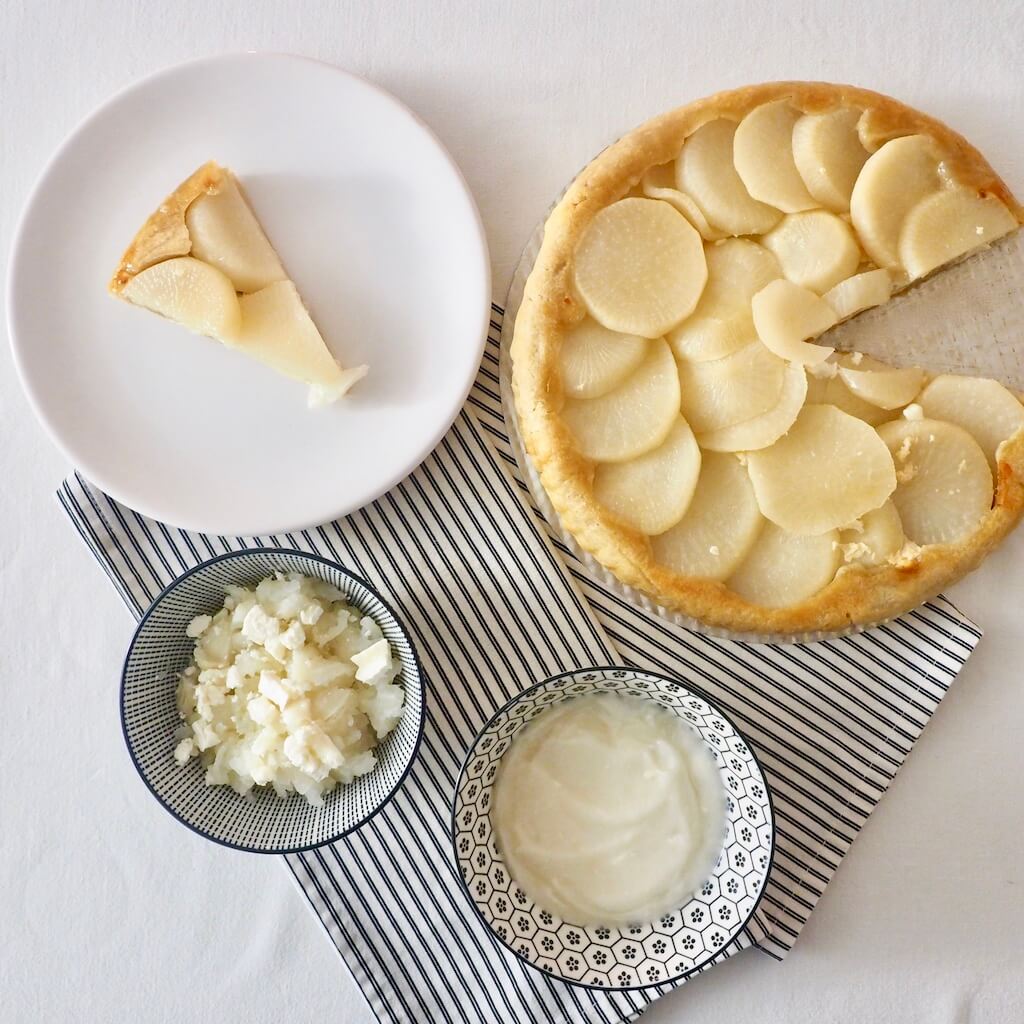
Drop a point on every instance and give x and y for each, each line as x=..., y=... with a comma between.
x=494, y=602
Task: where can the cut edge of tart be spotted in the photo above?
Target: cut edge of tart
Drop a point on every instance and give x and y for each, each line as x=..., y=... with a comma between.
x=863, y=591
x=203, y=260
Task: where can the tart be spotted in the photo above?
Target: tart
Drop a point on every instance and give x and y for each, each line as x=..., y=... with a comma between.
x=203, y=260
x=689, y=430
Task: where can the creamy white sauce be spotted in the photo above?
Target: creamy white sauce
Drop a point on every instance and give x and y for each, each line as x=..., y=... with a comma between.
x=609, y=810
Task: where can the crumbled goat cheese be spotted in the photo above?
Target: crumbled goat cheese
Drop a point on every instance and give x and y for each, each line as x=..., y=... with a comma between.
x=289, y=687
x=910, y=552
x=855, y=551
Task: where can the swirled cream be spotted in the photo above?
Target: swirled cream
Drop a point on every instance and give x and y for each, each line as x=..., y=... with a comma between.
x=608, y=810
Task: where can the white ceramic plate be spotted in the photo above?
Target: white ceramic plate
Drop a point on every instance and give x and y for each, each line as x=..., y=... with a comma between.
x=371, y=218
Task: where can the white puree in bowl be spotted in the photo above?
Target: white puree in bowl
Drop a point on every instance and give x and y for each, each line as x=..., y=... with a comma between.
x=609, y=810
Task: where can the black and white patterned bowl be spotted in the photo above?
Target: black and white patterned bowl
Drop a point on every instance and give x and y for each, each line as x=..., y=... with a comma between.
x=260, y=822
x=679, y=943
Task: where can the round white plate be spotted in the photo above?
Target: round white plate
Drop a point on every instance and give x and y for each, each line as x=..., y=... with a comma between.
x=374, y=223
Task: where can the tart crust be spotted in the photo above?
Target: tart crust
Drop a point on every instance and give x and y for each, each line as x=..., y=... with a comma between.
x=165, y=235
x=859, y=595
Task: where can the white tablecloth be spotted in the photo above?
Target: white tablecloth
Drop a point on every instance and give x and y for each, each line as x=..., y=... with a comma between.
x=111, y=911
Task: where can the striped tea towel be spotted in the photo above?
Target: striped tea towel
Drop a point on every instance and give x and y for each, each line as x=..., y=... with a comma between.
x=494, y=603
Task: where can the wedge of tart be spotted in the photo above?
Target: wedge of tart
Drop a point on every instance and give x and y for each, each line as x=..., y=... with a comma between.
x=769, y=485
x=203, y=260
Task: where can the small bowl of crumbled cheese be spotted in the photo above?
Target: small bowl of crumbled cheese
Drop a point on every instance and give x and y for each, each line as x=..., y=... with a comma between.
x=271, y=700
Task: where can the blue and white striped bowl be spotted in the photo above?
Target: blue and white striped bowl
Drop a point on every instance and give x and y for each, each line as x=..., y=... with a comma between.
x=260, y=822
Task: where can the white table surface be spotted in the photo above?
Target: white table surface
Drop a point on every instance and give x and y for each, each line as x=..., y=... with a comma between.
x=110, y=911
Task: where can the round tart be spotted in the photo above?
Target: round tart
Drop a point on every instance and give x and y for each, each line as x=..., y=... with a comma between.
x=688, y=429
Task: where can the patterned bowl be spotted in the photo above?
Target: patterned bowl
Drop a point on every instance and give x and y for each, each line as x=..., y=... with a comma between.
x=260, y=822
x=681, y=942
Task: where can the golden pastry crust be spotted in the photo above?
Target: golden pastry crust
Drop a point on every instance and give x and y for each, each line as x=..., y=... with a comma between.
x=858, y=595
x=165, y=235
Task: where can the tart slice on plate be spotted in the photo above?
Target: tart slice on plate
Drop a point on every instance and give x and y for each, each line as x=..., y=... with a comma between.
x=693, y=434
x=203, y=260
